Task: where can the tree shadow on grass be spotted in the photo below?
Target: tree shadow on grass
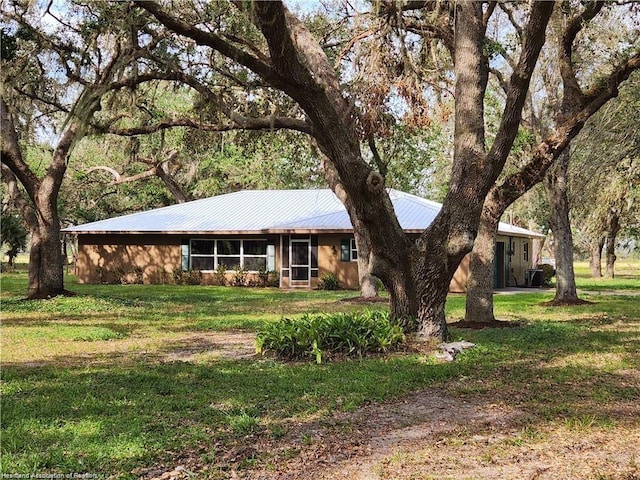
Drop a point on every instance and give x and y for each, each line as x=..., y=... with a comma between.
x=119, y=417
x=579, y=367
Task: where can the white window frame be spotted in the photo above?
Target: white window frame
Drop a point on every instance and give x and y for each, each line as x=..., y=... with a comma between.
x=217, y=256
x=353, y=251
x=202, y=255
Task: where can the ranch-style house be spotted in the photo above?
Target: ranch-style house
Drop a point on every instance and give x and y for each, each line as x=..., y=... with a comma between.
x=300, y=234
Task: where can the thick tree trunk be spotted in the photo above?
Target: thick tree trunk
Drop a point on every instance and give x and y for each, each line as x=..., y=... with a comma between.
x=610, y=263
x=450, y=236
x=368, y=285
x=538, y=243
x=595, y=257
x=367, y=281
x=479, y=306
x=403, y=302
x=536, y=255
x=46, y=271
x=612, y=233
x=556, y=186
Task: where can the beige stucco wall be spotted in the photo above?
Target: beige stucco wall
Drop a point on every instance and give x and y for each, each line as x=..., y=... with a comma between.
x=100, y=257
x=329, y=261
x=159, y=255
x=458, y=283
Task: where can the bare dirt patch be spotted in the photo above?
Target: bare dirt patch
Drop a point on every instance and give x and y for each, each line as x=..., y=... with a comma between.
x=481, y=325
x=167, y=347
x=365, y=300
x=428, y=435
x=230, y=345
x=353, y=445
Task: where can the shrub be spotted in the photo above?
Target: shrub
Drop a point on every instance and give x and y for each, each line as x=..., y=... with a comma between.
x=329, y=281
x=119, y=275
x=100, y=272
x=322, y=336
x=548, y=272
x=264, y=278
x=188, y=277
x=239, y=277
x=273, y=278
x=219, y=277
x=138, y=275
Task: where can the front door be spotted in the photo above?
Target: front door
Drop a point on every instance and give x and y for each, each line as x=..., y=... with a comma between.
x=499, y=266
x=300, y=262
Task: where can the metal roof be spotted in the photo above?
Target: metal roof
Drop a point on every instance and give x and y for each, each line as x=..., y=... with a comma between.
x=269, y=211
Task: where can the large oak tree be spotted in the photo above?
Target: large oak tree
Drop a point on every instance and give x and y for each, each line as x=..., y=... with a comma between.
x=289, y=59
x=56, y=74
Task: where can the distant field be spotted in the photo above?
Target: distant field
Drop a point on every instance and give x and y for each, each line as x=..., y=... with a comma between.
x=627, y=276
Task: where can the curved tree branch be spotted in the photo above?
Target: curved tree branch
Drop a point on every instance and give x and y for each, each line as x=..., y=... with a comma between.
x=159, y=169
x=212, y=40
x=517, y=91
x=12, y=154
x=549, y=149
x=112, y=171
x=238, y=122
x=15, y=196
x=573, y=93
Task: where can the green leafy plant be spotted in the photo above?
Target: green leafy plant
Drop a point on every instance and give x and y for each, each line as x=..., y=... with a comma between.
x=273, y=279
x=548, y=272
x=242, y=422
x=265, y=278
x=219, y=277
x=239, y=277
x=100, y=272
x=188, y=277
x=322, y=336
x=138, y=273
x=329, y=281
x=119, y=275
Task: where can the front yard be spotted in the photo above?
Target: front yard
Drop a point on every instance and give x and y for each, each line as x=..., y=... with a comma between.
x=161, y=382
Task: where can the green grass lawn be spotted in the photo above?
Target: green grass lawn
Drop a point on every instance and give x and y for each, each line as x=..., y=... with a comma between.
x=627, y=277
x=88, y=384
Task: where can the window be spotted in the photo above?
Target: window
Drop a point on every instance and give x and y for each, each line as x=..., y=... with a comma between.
x=253, y=255
x=348, y=250
x=202, y=255
x=228, y=253
x=525, y=249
